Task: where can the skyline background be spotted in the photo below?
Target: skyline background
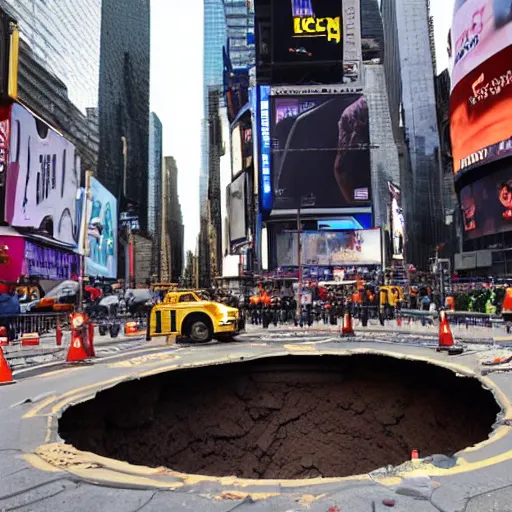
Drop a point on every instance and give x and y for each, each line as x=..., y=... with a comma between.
x=177, y=89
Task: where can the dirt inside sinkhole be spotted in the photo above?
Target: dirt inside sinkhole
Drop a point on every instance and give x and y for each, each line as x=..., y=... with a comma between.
x=288, y=417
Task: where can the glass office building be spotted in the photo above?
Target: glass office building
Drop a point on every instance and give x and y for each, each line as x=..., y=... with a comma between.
x=215, y=37
x=240, y=33
x=124, y=102
x=64, y=37
x=155, y=163
x=410, y=71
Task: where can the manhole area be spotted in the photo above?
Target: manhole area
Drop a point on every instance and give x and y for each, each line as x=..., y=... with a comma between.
x=288, y=418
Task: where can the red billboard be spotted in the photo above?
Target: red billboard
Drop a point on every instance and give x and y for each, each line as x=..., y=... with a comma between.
x=480, y=120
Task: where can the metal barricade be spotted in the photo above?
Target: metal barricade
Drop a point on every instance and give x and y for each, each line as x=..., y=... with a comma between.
x=42, y=324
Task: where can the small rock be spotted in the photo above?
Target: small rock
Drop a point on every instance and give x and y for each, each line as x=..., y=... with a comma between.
x=388, y=503
x=416, y=486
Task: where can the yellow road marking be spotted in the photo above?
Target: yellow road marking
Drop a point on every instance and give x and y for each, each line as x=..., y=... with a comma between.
x=41, y=405
x=303, y=348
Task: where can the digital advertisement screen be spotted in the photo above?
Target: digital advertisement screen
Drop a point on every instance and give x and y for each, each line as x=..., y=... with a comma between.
x=480, y=29
x=236, y=209
x=360, y=247
x=43, y=178
x=480, y=119
x=320, y=151
x=397, y=222
x=307, y=31
x=236, y=151
x=247, y=150
x=102, y=232
x=487, y=205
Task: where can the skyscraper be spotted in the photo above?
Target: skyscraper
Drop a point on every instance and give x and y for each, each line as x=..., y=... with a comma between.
x=64, y=37
x=410, y=83
x=215, y=36
x=124, y=102
x=154, y=174
x=240, y=33
x=59, y=67
x=215, y=39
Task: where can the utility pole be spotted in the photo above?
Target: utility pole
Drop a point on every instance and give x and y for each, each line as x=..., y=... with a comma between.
x=130, y=277
x=84, y=239
x=299, y=259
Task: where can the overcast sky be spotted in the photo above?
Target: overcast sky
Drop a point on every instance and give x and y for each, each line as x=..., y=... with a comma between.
x=176, y=89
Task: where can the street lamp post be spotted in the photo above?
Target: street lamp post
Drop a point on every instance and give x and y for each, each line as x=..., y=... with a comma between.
x=308, y=200
x=299, y=260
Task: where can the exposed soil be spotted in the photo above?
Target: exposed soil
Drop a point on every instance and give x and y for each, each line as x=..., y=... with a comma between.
x=293, y=417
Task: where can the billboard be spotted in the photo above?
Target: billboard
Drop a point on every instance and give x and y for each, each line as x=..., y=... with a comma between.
x=43, y=178
x=236, y=151
x=359, y=247
x=487, y=205
x=236, y=209
x=102, y=232
x=307, y=31
x=480, y=29
x=396, y=222
x=320, y=150
x=480, y=106
x=263, y=123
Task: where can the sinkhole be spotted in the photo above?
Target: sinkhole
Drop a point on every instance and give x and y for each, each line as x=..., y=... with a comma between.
x=288, y=417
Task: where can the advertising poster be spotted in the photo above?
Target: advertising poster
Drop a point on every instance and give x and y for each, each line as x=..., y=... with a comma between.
x=342, y=248
x=320, y=151
x=236, y=151
x=397, y=223
x=42, y=179
x=480, y=120
x=307, y=31
x=102, y=232
x=236, y=209
x=487, y=205
x=480, y=29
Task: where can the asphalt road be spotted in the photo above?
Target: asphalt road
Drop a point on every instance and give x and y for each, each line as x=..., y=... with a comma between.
x=39, y=473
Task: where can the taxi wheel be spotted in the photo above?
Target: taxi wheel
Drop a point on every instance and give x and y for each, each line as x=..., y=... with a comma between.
x=199, y=332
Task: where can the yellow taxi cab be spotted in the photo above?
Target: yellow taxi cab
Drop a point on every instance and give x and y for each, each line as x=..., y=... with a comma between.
x=184, y=313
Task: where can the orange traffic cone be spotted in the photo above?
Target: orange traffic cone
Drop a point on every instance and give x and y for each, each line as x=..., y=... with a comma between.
x=5, y=370
x=347, y=329
x=445, y=333
x=76, y=350
x=414, y=455
x=399, y=321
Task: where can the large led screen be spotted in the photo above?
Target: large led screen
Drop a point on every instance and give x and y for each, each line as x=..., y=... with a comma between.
x=480, y=29
x=480, y=114
x=487, y=205
x=360, y=247
x=320, y=151
x=236, y=151
x=43, y=178
x=102, y=232
x=236, y=209
x=397, y=222
x=307, y=31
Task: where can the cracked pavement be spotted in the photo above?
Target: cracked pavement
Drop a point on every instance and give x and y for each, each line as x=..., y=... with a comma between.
x=481, y=481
